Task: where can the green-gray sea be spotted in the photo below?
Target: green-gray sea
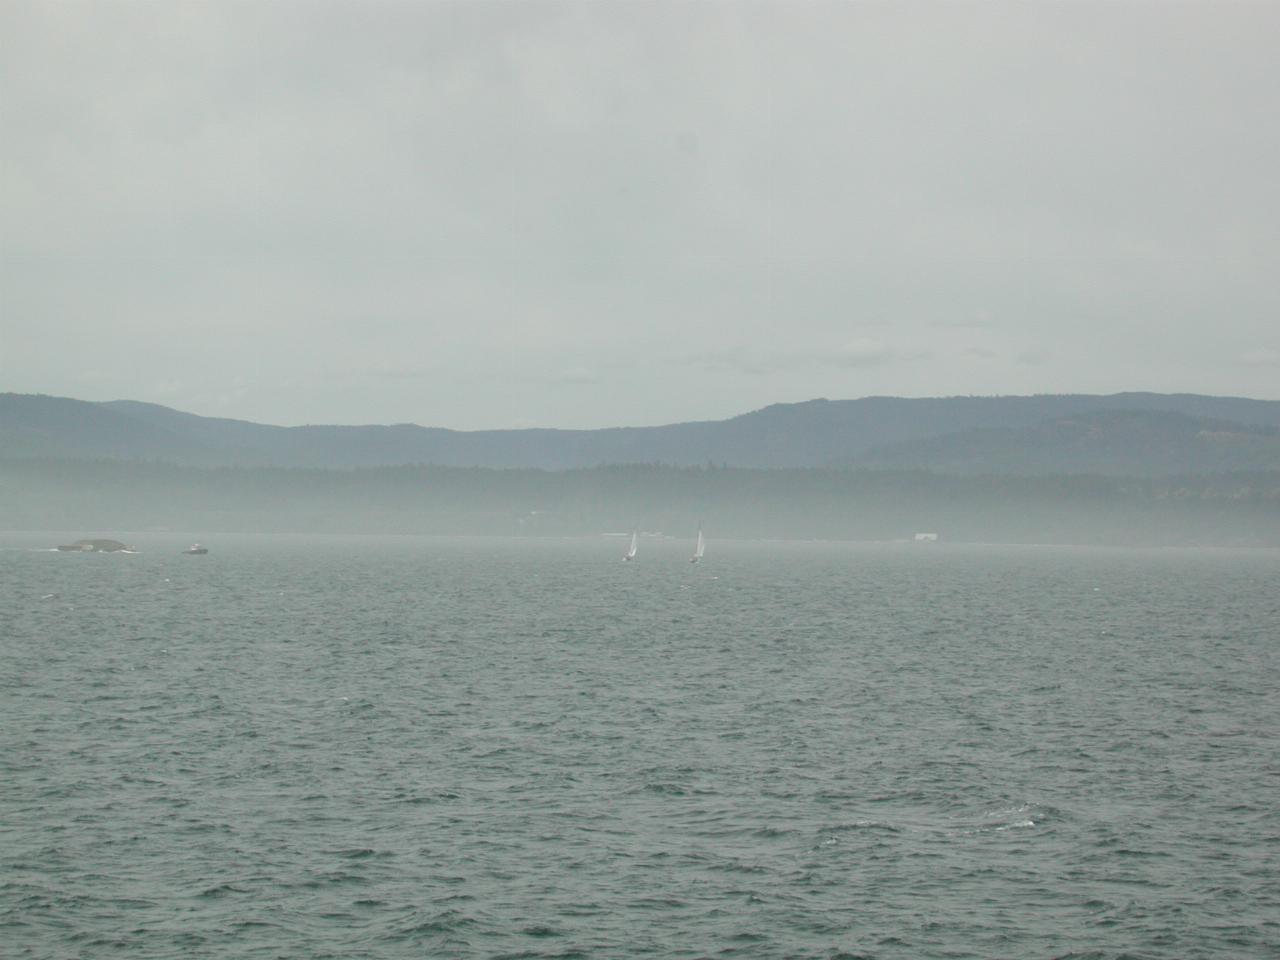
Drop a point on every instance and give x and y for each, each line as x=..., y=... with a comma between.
x=416, y=747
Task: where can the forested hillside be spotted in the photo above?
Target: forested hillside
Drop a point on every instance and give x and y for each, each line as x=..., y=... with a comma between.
x=973, y=434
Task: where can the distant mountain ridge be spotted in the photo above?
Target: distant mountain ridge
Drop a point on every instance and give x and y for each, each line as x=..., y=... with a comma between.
x=1122, y=433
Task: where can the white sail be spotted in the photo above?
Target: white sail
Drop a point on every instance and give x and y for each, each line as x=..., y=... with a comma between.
x=699, y=548
x=631, y=550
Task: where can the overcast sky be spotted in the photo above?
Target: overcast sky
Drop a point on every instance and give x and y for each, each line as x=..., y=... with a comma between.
x=484, y=215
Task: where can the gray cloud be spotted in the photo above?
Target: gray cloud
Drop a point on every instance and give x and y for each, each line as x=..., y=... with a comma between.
x=480, y=206
x=870, y=352
x=860, y=353
x=1261, y=357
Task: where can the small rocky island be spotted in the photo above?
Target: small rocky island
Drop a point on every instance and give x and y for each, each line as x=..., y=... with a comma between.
x=95, y=546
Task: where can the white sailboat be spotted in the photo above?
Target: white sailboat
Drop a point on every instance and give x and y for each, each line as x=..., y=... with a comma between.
x=700, y=548
x=631, y=550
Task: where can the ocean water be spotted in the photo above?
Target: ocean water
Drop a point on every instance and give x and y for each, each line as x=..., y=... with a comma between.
x=416, y=747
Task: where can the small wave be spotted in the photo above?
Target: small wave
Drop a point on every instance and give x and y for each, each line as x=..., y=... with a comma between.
x=342, y=877
x=541, y=930
x=420, y=798
x=905, y=796
x=770, y=833
x=359, y=853
x=657, y=903
x=220, y=891
x=1016, y=825
x=730, y=866
x=581, y=910
x=446, y=922
x=252, y=924
x=864, y=826
x=667, y=789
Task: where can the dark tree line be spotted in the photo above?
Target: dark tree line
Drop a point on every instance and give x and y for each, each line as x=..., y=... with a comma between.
x=1241, y=508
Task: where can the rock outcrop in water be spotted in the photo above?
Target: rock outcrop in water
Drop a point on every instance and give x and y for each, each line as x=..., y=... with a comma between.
x=95, y=546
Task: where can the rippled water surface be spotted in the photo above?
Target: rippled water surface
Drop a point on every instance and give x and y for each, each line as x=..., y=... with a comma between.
x=308, y=747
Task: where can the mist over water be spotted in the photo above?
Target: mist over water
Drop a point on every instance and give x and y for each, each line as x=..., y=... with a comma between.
x=408, y=747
